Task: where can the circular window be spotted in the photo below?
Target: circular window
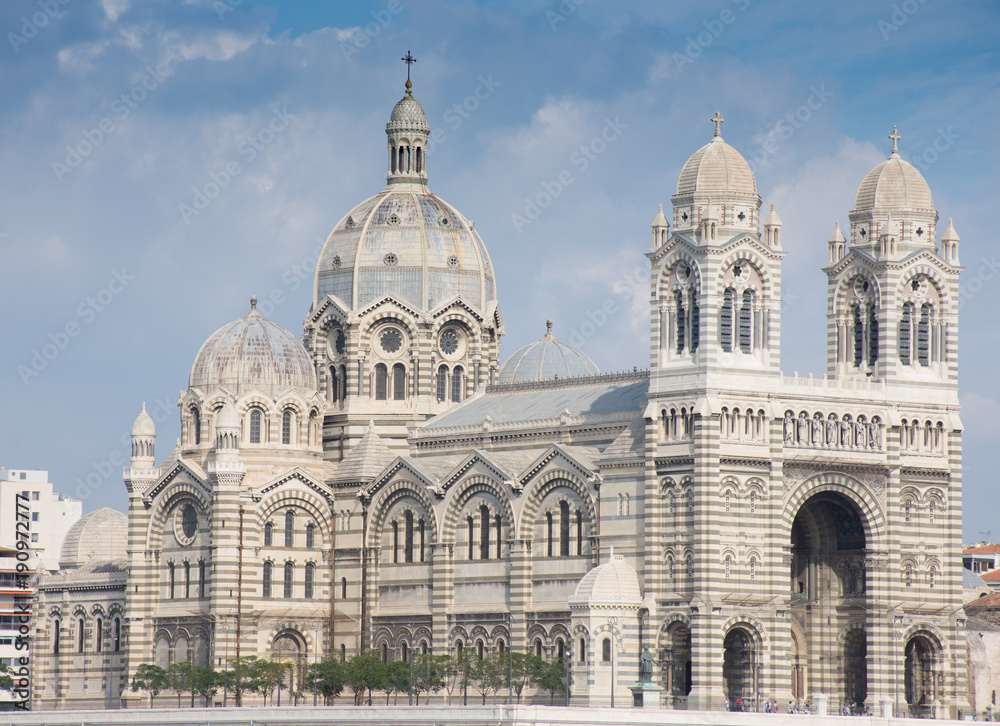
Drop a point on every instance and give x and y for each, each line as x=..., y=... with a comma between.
x=683, y=272
x=390, y=259
x=186, y=524
x=391, y=340
x=350, y=222
x=453, y=262
x=919, y=286
x=861, y=287
x=449, y=342
x=336, y=261
x=444, y=221
x=393, y=219
x=338, y=343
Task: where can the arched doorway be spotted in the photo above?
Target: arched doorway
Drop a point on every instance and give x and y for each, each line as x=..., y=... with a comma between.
x=739, y=667
x=675, y=663
x=288, y=648
x=920, y=674
x=829, y=595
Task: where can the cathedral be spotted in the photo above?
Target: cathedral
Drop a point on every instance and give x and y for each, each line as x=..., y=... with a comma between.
x=387, y=483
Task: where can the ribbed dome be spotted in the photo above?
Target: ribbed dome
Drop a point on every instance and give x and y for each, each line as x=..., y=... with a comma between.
x=408, y=115
x=546, y=359
x=408, y=242
x=253, y=353
x=893, y=185
x=143, y=425
x=716, y=168
x=613, y=583
x=100, y=535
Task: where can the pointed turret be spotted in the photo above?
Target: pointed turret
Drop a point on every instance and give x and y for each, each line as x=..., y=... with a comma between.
x=661, y=229
x=837, y=244
x=949, y=244
x=142, y=471
x=772, y=230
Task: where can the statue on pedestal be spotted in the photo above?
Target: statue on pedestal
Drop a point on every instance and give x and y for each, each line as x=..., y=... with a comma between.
x=646, y=666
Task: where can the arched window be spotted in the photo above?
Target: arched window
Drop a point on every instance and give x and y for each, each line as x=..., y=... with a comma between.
x=422, y=540
x=442, y=383
x=404, y=652
x=100, y=635
x=255, y=426
x=381, y=382
x=117, y=644
x=496, y=523
x=423, y=647
x=726, y=321
x=80, y=635
x=286, y=427
x=538, y=648
x=289, y=528
x=579, y=533
x=472, y=530
x=564, y=529
x=582, y=651
x=343, y=652
x=266, y=589
x=334, y=391
x=480, y=649
x=289, y=574
x=395, y=542
x=310, y=535
x=484, y=532
x=501, y=646
x=196, y=425
x=408, y=538
x=729, y=562
x=905, y=331
x=680, y=321
x=202, y=585
x=753, y=568
x=457, y=381
x=606, y=650
x=924, y=335
x=343, y=588
x=695, y=324
x=399, y=382
x=187, y=579
x=859, y=336
x=384, y=649
x=746, y=322
x=548, y=533
x=172, y=574
x=343, y=383
x=55, y=636
x=310, y=577
x=560, y=651
x=872, y=335
x=268, y=534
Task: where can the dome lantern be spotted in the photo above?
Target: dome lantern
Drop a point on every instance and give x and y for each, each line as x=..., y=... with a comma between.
x=143, y=439
x=407, y=131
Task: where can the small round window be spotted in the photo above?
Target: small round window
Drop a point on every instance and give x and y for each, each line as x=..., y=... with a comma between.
x=391, y=340
x=449, y=342
x=338, y=342
x=189, y=522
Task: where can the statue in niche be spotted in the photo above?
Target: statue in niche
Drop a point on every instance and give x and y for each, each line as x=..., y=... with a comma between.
x=831, y=432
x=845, y=434
x=817, y=435
x=803, y=429
x=789, y=428
x=860, y=434
x=875, y=435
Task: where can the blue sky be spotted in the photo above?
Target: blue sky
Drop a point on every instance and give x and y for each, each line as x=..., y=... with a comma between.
x=117, y=113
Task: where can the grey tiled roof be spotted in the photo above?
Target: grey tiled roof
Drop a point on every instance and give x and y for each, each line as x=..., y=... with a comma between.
x=592, y=396
x=366, y=460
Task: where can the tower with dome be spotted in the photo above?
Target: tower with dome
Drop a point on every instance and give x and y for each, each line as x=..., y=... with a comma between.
x=387, y=483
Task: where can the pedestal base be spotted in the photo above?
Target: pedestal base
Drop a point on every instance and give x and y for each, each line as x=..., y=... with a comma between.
x=646, y=694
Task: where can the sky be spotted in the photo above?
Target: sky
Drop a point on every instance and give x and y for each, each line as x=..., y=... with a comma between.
x=163, y=161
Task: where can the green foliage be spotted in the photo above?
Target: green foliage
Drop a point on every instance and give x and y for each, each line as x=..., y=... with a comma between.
x=552, y=677
x=6, y=680
x=179, y=679
x=205, y=681
x=430, y=673
x=244, y=676
x=150, y=678
x=328, y=675
x=525, y=666
x=270, y=675
x=365, y=673
x=488, y=675
x=397, y=679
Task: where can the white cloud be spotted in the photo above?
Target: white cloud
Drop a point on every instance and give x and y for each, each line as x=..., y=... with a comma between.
x=114, y=8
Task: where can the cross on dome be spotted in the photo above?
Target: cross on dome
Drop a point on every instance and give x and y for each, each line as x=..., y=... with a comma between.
x=717, y=120
x=409, y=60
x=895, y=139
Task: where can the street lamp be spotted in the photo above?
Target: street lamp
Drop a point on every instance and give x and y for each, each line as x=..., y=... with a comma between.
x=315, y=659
x=510, y=661
x=612, y=622
x=409, y=655
x=465, y=674
x=225, y=672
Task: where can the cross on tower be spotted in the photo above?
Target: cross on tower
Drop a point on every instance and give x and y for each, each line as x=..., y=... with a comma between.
x=895, y=139
x=408, y=60
x=717, y=120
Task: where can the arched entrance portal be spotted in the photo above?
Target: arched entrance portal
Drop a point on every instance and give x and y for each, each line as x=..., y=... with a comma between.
x=289, y=649
x=829, y=594
x=921, y=676
x=675, y=663
x=739, y=667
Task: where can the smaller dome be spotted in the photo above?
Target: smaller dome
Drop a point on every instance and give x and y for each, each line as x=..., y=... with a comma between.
x=143, y=425
x=100, y=535
x=253, y=352
x=547, y=359
x=229, y=418
x=893, y=185
x=613, y=583
x=716, y=168
x=408, y=115
x=836, y=235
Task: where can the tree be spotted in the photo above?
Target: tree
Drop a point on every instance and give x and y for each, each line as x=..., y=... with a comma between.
x=6, y=679
x=552, y=677
x=364, y=673
x=243, y=677
x=179, y=679
x=397, y=679
x=488, y=675
x=270, y=675
x=454, y=672
x=328, y=676
x=150, y=678
x=205, y=682
x=525, y=665
x=429, y=673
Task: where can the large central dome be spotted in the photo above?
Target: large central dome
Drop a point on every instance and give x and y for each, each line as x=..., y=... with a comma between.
x=405, y=241
x=716, y=168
